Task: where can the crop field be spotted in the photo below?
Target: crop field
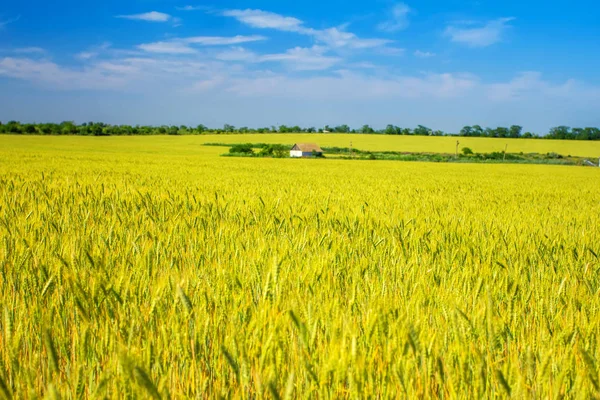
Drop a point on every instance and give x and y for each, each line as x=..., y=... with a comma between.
x=193, y=145
x=153, y=268
x=415, y=144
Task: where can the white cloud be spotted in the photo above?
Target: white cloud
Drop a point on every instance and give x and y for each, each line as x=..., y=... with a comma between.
x=152, y=16
x=144, y=73
x=391, y=51
x=337, y=38
x=169, y=75
x=424, y=54
x=304, y=59
x=172, y=47
x=120, y=68
x=86, y=55
x=140, y=74
x=266, y=20
x=207, y=84
x=529, y=83
x=193, y=8
x=487, y=35
x=183, y=45
x=9, y=21
x=93, y=52
x=237, y=54
x=161, y=68
x=447, y=100
x=398, y=19
x=53, y=75
x=333, y=37
x=364, y=65
x=297, y=59
x=30, y=50
x=349, y=85
x=222, y=41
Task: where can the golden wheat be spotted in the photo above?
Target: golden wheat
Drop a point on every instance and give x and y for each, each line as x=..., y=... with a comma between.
x=157, y=271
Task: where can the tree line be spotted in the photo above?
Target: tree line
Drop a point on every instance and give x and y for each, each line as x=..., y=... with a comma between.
x=102, y=129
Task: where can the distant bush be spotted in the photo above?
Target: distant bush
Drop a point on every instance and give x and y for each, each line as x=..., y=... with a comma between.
x=467, y=151
x=241, y=149
x=274, y=150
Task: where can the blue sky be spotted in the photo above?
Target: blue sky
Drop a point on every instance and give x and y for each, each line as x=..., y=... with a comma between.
x=443, y=64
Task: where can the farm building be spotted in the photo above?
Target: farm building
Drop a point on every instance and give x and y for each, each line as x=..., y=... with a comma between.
x=306, y=150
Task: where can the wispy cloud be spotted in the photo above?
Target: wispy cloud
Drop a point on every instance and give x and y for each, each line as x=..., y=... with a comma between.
x=529, y=83
x=193, y=8
x=398, y=19
x=3, y=23
x=391, y=51
x=152, y=16
x=364, y=65
x=304, y=59
x=86, y=55
x=171, y=47
x=313, y=58
x=47, y=73
x=208, y=84
x=237, y=54
x=351, y=85
x=222, y=40
x=335, y=37
x=121, y=73
x=184, y=45
x=154, y=76
x=29, y=50
x=424, y=54
x=93, y=52
x=482, y=36
x=266, y=20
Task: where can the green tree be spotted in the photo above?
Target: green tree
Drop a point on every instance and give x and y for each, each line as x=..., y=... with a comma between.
x=13, y=127
x=201, y=129
x=559, y=132
x=392, y=130
x=501, y=132
x=29, y=129
x=515, y=131
x=466, y=131
x=68, y=128
x=342, y=129
x=422, y=130
x=366, y=129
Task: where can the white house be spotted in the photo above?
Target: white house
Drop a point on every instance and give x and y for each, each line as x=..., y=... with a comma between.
x=305, y=150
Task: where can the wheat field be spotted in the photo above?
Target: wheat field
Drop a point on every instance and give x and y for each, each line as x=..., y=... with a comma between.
x=152, y=268
x=193, y=145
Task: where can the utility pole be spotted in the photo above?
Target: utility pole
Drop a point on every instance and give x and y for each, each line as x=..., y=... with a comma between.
x=457, y=144
x=505, y=148
x=351, y=152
